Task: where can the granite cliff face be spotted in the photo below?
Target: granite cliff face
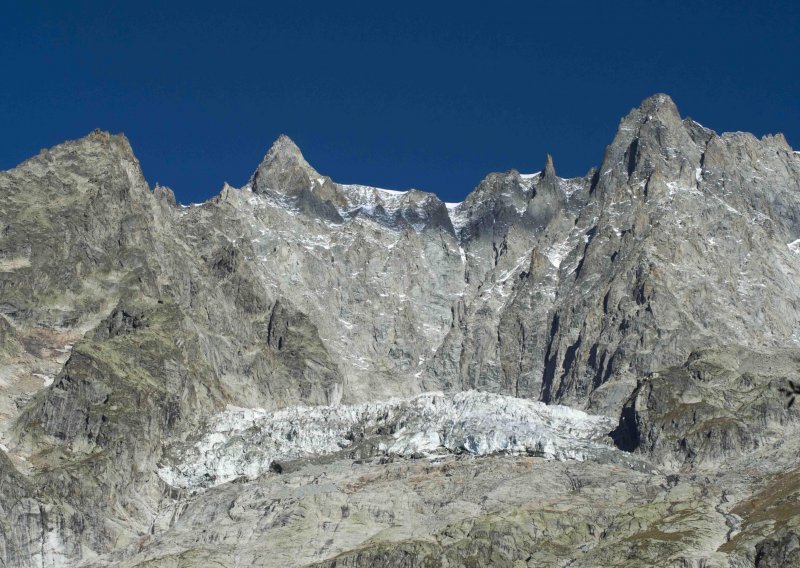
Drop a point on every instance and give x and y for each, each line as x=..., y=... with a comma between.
x=300, y=372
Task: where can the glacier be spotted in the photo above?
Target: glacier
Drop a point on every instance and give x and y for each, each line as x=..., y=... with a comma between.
x=247, y=442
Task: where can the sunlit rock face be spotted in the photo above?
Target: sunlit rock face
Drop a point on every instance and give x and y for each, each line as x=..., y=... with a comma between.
x=554, y=371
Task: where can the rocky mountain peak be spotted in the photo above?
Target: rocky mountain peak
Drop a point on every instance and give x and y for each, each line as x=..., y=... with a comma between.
x=660, y=105
x=283, y=169
x=96, y=145
x=286, y=147
x=653, y=137
x=657, y=112
x=100, y=163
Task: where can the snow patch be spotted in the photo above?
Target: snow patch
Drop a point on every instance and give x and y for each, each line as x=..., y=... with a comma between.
x=368, y=197
x=569, y=187
x=457, y=214
x=48, y=379
x=557, y=252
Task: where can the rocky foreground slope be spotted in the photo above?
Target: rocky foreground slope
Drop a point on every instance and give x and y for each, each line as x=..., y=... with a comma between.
x=299, y=372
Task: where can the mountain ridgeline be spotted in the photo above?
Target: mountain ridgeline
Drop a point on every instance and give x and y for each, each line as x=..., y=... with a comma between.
x=661, y=291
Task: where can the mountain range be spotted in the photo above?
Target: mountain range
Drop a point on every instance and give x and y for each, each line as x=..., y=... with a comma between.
x=297, y=372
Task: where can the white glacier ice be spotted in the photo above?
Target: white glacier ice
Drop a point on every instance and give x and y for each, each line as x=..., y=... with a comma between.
x=244, y=442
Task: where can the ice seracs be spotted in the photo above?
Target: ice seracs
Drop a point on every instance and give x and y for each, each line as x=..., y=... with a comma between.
x=244, y=442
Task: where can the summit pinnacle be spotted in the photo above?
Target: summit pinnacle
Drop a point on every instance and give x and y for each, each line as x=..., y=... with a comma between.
x=283, y=169
x=549, y=170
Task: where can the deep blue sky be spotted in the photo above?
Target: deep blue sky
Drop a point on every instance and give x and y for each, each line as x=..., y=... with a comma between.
x=431, y=95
